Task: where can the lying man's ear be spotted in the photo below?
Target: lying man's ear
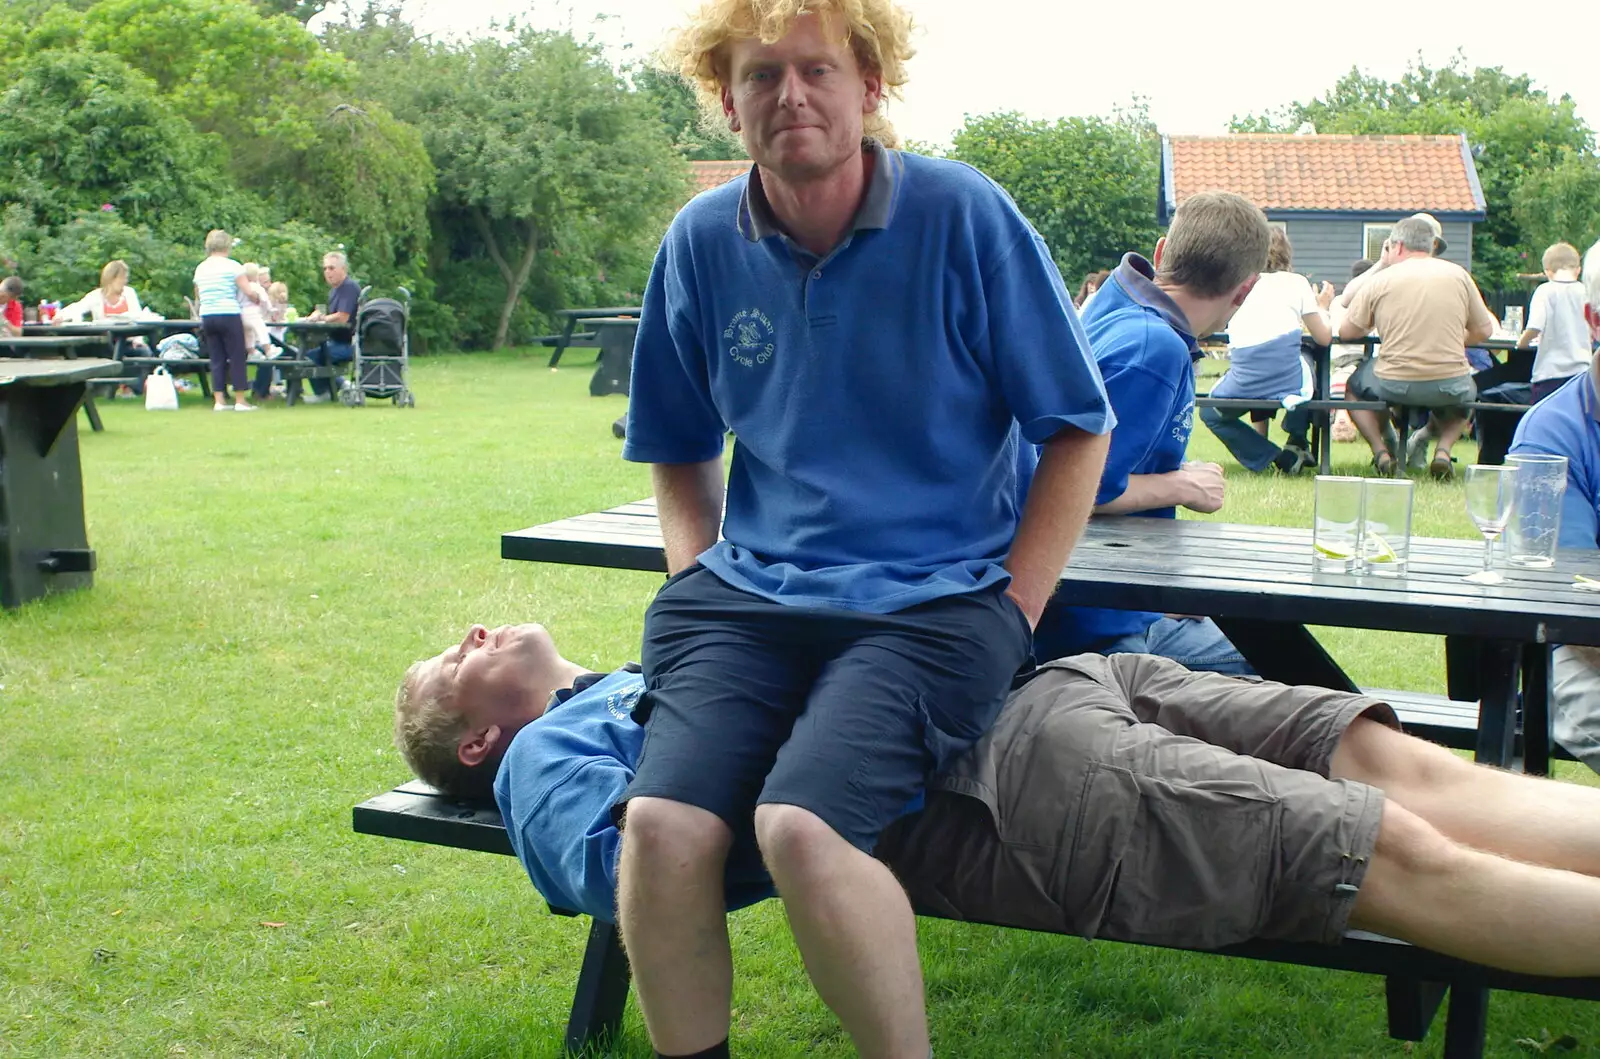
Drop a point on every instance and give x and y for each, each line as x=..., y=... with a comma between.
x=476, y=746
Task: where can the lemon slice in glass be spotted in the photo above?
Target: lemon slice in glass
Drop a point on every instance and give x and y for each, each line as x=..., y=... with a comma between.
x=1379, y=550
x=1331, y=553
x=1586, y=581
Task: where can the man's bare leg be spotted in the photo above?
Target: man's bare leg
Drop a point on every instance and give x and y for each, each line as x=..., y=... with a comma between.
x=673, y=915
x=1528, y=818
x=1371, y=429
x=855, y=931
x=1449, y=432
x=1424, y=888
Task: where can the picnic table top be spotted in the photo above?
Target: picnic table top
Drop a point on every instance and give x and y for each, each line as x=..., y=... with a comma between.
x=95, y=328
x=592, y=314
x=27, y=342
x=1215, y=568
x=55, y=372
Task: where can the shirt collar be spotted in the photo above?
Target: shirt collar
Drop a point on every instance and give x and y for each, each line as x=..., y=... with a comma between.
x=1594, y=389
x=757, y=221
x=1137, y=278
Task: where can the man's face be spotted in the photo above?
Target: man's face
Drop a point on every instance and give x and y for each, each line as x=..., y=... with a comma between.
x=333, y=272
x=798, y=103
x=501, y=676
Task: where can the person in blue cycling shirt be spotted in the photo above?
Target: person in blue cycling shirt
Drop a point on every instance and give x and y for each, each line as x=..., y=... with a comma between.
x=1142, y=326
x=344, y=298
x=1117, y=797
x=1567, y=423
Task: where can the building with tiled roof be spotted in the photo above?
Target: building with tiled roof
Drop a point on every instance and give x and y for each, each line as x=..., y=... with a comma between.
x=708, y=175
x=1335, y=196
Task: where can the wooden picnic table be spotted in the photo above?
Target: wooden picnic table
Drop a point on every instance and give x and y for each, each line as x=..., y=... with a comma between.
x=44, y=545
x=1259, y=585
x=573, y=317
x=67, y=345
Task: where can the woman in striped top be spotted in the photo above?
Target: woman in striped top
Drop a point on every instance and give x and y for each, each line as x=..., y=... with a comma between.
x=220, y=288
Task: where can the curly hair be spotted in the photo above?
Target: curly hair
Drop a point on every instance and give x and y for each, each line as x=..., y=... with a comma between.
x=427, y=732
x=879, y=33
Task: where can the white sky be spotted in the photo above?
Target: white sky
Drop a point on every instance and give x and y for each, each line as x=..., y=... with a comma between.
x=1197, y=63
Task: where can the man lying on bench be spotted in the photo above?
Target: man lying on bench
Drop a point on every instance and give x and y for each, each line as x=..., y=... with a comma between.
x=1119, y=797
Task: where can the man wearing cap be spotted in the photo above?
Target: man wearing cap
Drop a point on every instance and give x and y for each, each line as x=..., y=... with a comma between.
x=1427, y=311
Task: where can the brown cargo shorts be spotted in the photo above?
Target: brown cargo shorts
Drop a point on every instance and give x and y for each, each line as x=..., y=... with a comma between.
x=1137, y=801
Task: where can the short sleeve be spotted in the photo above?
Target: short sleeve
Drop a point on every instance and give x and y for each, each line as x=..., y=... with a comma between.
x=1146, y=397
x=1046, y=371
x=1539, y=307
x=672, y=417
x=1359, y=314
x=1306, y=296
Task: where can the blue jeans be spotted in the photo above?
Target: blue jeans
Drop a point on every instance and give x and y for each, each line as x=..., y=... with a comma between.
x=1254, y=451
x=330, y=352
x=1194, y=643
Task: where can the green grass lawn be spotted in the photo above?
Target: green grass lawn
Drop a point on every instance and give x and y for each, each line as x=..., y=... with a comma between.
x=182, y=745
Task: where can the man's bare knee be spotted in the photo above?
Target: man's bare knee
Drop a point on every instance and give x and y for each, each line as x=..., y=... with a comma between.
x=1371, y=752
x=668, y=835
x=791, y=837
x=1409, y=860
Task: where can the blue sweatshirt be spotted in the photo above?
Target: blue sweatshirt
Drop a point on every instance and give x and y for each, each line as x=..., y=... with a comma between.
x=557, y=784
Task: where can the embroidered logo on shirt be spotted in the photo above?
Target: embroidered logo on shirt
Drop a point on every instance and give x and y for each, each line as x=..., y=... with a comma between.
x=620, y=704
x=1183, y=425
x=750, y=334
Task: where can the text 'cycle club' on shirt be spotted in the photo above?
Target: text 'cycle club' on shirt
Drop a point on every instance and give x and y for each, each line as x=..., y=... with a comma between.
x=878, y=392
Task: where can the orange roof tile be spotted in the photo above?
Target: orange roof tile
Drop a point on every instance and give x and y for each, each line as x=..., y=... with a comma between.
x=1325, y=172
x=708, y=175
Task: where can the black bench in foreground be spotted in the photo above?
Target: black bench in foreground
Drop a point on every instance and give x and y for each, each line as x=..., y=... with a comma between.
x=1416, y=979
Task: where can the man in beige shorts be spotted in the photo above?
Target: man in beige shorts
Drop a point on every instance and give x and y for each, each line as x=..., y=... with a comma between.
x=1119, y=797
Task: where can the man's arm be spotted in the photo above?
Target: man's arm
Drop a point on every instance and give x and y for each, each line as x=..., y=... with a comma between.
x=1196, y=486
x=1480, y=321
x=564, y=834
x=1357, y=320
x=689, y=507
x=1058, y=505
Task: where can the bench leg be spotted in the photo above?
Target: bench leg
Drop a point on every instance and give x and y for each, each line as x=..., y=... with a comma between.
x=1465, y=1026
x=1412, y=1005
x=602, y=989
x=1536, y=709
x=91, y=411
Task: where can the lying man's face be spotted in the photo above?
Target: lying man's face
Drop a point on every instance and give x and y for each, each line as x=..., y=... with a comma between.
x=502, y=677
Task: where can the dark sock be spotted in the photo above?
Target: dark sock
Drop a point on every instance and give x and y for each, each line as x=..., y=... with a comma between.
x=716, y=1051
x=1284, y=460
x=1299, y=443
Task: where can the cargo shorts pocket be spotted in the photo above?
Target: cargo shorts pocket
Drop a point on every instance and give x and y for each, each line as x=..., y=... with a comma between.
x=1197, y=872
x=1097, y=847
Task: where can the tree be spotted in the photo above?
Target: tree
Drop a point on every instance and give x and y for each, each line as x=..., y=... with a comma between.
x=680, y=113
x=301, y=11
x=1521, y=138
x=79, y=130
x=1087, y=184
x=545, y=155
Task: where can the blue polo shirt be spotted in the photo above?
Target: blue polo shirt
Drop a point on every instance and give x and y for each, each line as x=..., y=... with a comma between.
x=1146, y=351
x=874, y=392
x=557, y=784
x=1567, y=423
x=345, y=298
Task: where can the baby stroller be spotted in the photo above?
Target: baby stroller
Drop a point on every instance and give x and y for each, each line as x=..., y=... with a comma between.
x=381, y=351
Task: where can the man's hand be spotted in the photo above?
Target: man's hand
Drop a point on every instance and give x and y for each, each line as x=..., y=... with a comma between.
x=1203, y=486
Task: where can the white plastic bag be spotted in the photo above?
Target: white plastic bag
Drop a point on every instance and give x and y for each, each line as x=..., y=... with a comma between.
x=160, y=392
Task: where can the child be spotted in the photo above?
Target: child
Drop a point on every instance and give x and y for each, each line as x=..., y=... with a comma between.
x=11, y=306
x=1557, y=324
x=253, y=307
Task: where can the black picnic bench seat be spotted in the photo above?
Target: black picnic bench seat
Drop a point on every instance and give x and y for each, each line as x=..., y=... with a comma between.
x=1416, y=979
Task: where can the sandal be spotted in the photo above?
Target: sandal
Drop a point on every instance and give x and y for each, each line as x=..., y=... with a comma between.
x=1441, y=468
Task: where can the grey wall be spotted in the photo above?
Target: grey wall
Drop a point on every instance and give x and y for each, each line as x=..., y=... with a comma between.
x=1325, y=247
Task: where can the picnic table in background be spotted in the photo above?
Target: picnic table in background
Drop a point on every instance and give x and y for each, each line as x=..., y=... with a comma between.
x=63, y=345
x=570, y=336
x=613, y=372
x=44, y=545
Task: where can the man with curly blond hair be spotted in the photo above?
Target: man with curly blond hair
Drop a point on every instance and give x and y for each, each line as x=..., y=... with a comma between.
x=880, y=331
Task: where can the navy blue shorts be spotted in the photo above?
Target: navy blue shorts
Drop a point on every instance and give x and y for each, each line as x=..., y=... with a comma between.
x=842, y=713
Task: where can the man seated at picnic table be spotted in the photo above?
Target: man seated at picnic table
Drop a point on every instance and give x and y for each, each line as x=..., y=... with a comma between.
x=344, y=297
x=1142, y=326
x=1567, y=423
x=1427, y=311
x=1123, y=798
